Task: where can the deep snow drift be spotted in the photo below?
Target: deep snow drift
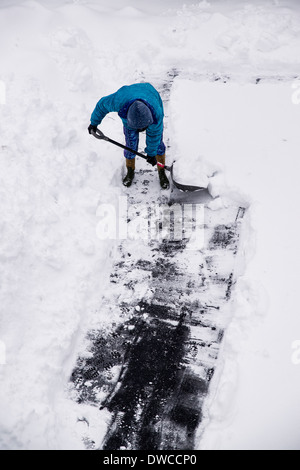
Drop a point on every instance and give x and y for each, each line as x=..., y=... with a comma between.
x=233, y=113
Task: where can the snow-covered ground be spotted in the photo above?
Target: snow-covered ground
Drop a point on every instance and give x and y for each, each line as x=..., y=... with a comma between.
x=57, y=60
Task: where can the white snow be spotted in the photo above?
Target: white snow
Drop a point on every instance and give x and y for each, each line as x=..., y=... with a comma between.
x=259, y=152
x=240, y=138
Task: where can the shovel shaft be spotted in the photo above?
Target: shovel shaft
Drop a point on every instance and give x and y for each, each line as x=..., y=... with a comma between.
x=99, y=135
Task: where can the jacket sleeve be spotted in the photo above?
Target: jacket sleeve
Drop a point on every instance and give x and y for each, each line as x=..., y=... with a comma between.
x=104, y=106
x=153, y=138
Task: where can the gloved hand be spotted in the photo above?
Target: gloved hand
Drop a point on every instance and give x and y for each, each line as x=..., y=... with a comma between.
x=151, y=160
x=92, y=128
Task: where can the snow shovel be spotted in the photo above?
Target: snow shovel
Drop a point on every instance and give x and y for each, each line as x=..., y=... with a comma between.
x=182, y=187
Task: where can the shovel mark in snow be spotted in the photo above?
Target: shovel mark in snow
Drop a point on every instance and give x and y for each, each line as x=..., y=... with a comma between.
x=154, y=368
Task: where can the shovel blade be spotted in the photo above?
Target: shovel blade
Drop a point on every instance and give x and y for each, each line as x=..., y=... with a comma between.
x=184, y=187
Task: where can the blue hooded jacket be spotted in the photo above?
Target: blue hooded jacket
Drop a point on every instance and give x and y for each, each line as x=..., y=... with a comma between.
x=121, y=100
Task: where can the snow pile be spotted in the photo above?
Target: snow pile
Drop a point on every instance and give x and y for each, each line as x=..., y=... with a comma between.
x=51, y=260
x=57, y=60
x=257, y=145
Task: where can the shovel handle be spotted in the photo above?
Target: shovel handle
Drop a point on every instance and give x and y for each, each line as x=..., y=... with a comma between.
x=98, y=134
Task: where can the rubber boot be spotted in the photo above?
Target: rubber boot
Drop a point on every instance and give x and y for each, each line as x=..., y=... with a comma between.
x=130, y=165
x=164, y=182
